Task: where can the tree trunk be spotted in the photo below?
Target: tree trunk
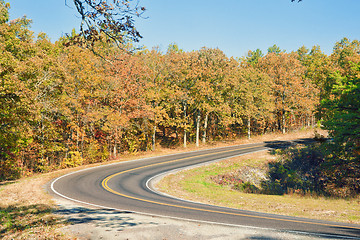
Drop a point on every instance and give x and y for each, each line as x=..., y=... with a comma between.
x=205, y=128
x=283, y=110
x=154, y=138
x=185, y=126
x=109, y=145
x=283, y=122
x=77, y=138
x=197, y=128
x=313, y=120
x=185, y=139
x=249, y=126
x=114, y=153
x=82, y=143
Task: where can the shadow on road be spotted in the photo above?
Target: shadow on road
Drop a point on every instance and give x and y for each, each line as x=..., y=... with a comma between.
x=262, y=238
x=100, y=218
x=351, y=231
x=286, y=144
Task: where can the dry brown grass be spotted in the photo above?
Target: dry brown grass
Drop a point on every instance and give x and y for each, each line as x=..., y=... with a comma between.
x=26, y=208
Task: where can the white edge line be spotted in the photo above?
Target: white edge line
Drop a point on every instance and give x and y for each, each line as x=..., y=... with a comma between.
x=123, y=162
x=135, y=160
x=150, y=183
x=178, y=218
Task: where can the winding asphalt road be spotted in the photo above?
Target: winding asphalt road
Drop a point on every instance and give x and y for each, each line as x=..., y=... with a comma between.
x=126, y=186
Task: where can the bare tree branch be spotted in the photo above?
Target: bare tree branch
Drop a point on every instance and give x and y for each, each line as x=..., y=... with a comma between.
x=110, y=20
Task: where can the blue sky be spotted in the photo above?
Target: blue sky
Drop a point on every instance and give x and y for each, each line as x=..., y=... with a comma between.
x=234, y=26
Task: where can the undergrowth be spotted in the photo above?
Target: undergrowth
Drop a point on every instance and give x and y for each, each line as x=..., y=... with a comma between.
x=301, y=170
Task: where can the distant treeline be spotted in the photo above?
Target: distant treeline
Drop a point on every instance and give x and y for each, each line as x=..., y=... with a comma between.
x=62, y=105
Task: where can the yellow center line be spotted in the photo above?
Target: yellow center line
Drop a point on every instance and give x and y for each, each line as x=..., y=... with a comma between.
x=104, y=184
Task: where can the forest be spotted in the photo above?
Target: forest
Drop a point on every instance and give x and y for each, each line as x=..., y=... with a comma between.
x=64, y=105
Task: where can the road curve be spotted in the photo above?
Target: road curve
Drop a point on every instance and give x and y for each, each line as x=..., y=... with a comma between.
x=124, y=186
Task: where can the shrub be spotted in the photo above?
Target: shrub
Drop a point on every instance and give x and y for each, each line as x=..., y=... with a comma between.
x=246, y=187
x=73, y=160
x=298, y=169
x=322, y=168
x=272, y=188
x=96, y=152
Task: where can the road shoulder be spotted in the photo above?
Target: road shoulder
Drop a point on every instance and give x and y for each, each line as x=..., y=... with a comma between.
x=93, y=223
